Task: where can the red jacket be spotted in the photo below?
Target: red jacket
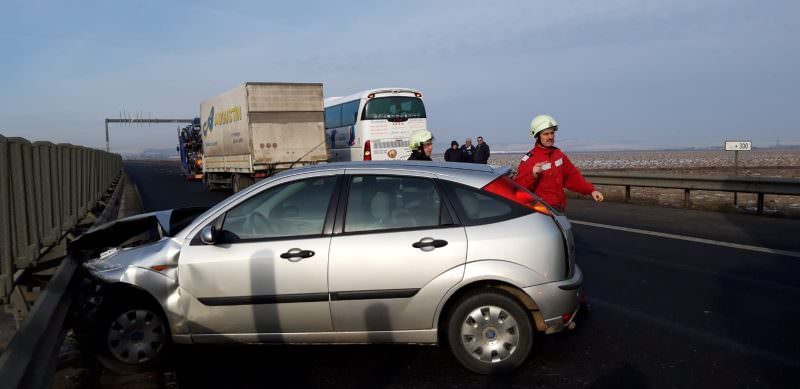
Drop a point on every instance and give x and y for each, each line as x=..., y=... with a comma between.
x=559, y=174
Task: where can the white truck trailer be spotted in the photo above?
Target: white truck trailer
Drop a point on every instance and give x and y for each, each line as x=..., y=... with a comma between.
x=259, y=128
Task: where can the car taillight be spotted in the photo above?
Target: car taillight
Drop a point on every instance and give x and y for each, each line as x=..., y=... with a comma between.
x=367, y=151
x=504, y=187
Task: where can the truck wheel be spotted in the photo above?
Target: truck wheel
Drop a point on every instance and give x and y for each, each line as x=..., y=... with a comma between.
x=240, y=181
x=490, y=332
x=235, y=184
x=207, y=181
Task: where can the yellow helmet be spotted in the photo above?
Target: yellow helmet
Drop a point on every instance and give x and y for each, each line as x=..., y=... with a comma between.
x=541, y=123
x=418, y=138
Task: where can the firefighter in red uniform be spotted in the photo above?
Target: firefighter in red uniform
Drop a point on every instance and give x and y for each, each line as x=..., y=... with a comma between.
x=546, y=170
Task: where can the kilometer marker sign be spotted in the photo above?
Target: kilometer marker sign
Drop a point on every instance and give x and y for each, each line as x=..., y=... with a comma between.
x=738, y=145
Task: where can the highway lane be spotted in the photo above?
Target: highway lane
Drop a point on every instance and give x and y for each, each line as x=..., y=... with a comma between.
x=162, y=186
x=665, y=312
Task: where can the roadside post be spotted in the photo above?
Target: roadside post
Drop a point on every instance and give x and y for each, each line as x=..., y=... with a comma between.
x=736, y=146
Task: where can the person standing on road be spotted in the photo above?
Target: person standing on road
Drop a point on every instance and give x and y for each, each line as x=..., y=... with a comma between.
x=481, y=152
x=467, y=149
x=453, y=154
x=546, y=170
x=421, y=144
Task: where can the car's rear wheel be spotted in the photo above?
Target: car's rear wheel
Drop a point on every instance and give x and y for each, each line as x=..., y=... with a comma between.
x=489, y=332
x=131, y=337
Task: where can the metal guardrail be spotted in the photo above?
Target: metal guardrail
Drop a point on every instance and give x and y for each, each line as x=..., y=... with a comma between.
x=46, y=189
x=757, y=185
x=31, y=357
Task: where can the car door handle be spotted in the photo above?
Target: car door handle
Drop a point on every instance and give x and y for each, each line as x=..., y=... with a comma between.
x=297, y=254
x=429, y=242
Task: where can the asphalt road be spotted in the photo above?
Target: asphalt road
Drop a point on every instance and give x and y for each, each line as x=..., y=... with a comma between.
x=665, y=312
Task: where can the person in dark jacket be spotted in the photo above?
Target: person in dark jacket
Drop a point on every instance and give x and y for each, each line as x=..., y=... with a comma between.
x=453, y=154
x=421, y=144
x=481, y=152
x=467, y=149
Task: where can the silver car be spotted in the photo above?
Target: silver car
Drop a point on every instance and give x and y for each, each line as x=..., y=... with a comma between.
x=368, y=252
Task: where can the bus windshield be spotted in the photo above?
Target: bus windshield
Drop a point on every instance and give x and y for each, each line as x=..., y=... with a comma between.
x=395, y=107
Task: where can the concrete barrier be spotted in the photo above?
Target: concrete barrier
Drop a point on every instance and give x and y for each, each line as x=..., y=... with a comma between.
x=46, y=190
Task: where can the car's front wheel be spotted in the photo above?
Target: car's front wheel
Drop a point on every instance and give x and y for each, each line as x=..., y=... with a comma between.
x=489, y=332
x=130, y=337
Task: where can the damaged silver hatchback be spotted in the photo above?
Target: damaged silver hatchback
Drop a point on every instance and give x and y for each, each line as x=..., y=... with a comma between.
x=394, y=252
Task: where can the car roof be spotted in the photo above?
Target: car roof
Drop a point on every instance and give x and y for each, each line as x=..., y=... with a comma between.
x=432, y=166
x=467, y=173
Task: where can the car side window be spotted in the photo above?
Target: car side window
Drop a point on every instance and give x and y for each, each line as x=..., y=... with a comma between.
x=475, y=207
x=290, y=210
x=393, y=202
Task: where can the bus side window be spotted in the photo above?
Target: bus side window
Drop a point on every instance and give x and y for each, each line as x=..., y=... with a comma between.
x=333, y=116
x=350, y=113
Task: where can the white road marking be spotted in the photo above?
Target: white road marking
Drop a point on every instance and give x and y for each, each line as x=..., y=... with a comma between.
x=759, y=249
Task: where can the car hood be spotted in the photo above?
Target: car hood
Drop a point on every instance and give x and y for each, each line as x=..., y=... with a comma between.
x=135, y=230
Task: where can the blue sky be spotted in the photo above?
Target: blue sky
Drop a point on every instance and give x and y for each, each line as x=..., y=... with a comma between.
x=666, y=73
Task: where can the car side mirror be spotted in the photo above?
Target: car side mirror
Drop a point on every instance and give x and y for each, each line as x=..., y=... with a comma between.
x=208, y=234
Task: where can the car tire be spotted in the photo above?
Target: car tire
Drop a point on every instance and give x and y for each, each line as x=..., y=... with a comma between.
x=131, y=337
x=490, y=332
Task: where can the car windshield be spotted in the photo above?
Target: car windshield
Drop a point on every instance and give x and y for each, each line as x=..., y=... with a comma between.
x=394, y=107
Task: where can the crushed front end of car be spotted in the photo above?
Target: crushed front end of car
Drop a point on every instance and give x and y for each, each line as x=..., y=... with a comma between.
x=130, y=262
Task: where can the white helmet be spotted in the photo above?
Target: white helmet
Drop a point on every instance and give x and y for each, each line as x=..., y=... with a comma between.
x=418, y=138
x=541, y=123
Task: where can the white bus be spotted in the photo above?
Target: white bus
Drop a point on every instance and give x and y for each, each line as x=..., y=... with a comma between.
x=373, y=124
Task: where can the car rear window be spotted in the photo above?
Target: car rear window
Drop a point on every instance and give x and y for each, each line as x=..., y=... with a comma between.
x=393, y=202
x=475, y=207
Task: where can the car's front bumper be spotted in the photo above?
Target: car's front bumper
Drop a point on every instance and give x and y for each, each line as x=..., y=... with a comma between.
x=558, y=301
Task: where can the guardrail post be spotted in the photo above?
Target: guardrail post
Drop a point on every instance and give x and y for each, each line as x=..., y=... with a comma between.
x=686, y=198
x=83, y=181
x=47, y=199
x=6, y=262
x=760, y=203
x=24, y=227
x=627, y=193
x=68, y=215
